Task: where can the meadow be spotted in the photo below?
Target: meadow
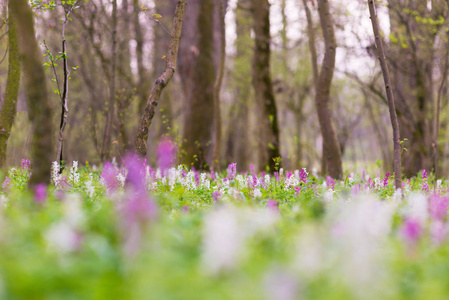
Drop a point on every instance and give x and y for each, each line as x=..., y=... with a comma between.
x=172, y=233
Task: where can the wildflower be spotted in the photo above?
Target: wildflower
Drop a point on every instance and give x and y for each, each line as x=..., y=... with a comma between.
x=386, y=179
x=232, y=171
x=109, y=178
x=272, y=204
x=166, y=153
x=6, y=184
x=303, y=175
x=26, y=163
x=216, y=195
x=411, y=230
x=89, y=186
x=55, y=176
x=257, y=193
x=438, y=207
x=74, y=176
x=330, y=182
x=40, y=193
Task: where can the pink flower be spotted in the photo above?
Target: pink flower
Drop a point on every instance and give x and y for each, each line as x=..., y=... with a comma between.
x=40, y=193
x=166, y=153
x=411, y=230
x=272, y=204
x=438, y=207
x=109, y=176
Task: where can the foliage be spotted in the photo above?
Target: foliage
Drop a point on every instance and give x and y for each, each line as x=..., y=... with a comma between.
x=221, y=236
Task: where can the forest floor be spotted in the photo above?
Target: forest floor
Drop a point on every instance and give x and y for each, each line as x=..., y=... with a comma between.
x=139, y=233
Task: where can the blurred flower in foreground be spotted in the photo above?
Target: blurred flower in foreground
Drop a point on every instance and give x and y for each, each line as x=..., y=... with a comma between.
x=225, y=231
x=280, y=285
x=438, y=207
x=166, y=154
x=411, y=230
x=109, y=178
x=40, y=193
x=138, y=208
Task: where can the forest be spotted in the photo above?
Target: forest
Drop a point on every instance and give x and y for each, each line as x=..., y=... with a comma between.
x=224, y=149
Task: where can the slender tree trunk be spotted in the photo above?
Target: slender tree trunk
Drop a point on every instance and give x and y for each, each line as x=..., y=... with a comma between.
x=9, y=108
x=138, y=36
x=162, y=81
x=315, y=71
x=390, y=96
x=197, y=69
x=263, y=84
x=106, y=146
x=332, y=150
x=36, y=91
x=238, y=140
x=217, y=87
x=437, y=117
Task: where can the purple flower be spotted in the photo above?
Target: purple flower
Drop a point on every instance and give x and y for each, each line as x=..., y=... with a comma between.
x=185, y=209
x=276, y=174
x=438, y=232
x=297, y=190
x=272, y=204
x=438, y=207
x=6, y=184
x=251, y=169
x=303, y=175
x=136, y=173
x=216, y=195
x=386, y=179
x=212, y=175
x=166, y=154
x=330, y=182
x=109, y=176
x=424, y=174
x=26, y=164
x=411, y=230
x=40, y=193
x=232, y=171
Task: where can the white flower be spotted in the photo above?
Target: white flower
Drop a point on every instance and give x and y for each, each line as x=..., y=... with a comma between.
x=257, y=193
x=74, y=176
x=62, y=237
x=55, y=177
x=121, y=179
x=89, y=186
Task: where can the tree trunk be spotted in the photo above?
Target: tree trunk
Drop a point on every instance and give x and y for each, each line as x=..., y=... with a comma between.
x=269, y=131
x=390, y=96
x=332, y=150
x=238, y=140
x=9, y=108
x=36, y=92
x=110, y=107
x=162, y=81
x=218, y=84
x=197, y=69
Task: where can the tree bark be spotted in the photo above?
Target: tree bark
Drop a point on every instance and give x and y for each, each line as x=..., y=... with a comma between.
x=332, y=150
x=36, y=91
x=106, y=145
x=198, y=70
x=217, y=87
x=9, y=108
x=390, y=96
x=269, y=131
x=162, y=81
